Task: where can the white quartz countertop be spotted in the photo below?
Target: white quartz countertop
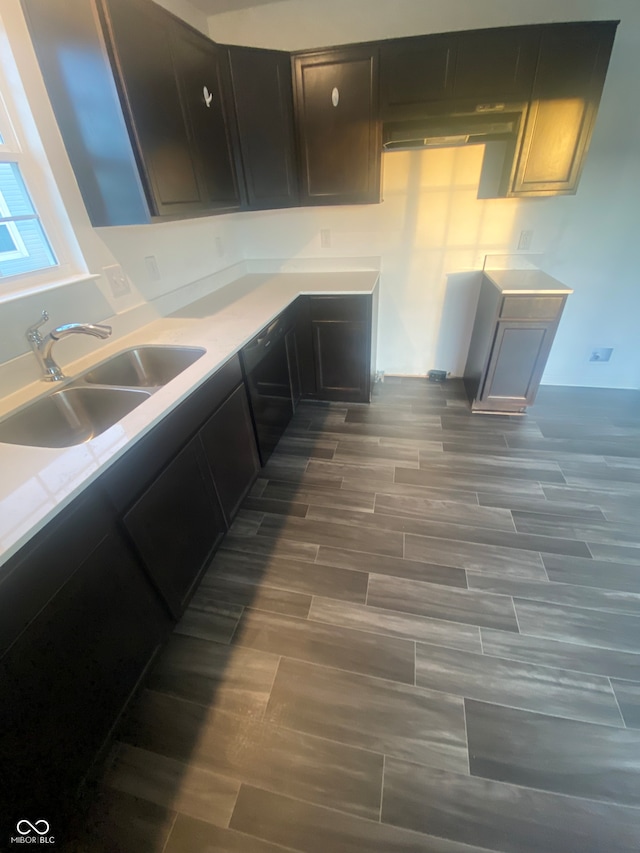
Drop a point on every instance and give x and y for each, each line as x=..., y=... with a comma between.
x=38, y=482
x=520, y=282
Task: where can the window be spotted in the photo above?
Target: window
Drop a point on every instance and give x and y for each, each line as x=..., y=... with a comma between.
x=38, y=247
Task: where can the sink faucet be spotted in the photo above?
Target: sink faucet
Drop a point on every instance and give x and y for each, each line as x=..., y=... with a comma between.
x=42, y=346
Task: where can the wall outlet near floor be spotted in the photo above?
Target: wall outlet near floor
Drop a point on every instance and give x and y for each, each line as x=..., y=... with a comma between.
x=153, y=271
x=325, y=238
x=602, y=354
x=524, y=242
x=117, y=280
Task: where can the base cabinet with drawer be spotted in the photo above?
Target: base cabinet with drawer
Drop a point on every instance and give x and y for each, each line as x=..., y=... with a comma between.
x=516, y=321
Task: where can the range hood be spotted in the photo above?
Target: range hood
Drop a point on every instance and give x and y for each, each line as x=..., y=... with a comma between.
x=455, y=129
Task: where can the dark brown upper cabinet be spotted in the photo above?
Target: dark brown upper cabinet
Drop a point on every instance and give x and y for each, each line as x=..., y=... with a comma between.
x=137, y=96
x=569, y=79
x=433, y=74
x=263, y=99
x=415, y=74
x=496, y=65
x=202, y=72
x=338, y=131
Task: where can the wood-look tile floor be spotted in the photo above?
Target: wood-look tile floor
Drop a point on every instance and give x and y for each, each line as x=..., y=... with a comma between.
x=422, y=634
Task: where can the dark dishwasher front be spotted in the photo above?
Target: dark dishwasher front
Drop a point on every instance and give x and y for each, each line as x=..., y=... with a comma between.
x=266, y=370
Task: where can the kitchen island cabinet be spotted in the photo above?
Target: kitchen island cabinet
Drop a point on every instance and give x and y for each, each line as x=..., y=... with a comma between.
x=516, y=321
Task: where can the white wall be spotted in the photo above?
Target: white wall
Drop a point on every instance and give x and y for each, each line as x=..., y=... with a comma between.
x=431, y=230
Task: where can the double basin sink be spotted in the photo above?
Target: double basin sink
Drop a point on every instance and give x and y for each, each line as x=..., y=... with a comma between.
x=97, y=399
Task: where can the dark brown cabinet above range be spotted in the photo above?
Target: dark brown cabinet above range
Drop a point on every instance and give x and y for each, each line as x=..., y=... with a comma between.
x=426, y=75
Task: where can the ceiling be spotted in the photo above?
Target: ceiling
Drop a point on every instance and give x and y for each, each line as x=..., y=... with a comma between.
x=215, y=7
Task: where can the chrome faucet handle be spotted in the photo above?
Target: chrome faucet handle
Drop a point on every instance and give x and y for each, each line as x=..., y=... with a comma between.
x=33, y=334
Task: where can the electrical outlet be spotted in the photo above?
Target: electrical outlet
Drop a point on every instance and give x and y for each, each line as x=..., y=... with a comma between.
x=601, y=354
x=117, y=280
x=325, y=238
x=151, y=264
x=525, y=240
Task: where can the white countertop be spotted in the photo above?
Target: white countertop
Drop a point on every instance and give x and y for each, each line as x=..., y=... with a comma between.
x=38, y=482
x=523, y=281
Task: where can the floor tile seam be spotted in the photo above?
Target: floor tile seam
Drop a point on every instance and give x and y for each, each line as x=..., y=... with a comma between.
x=270, y=691
x=615, y=696
x=283, y=537
x=173, y=823
x=603, y=608
x=384, y=765
x=592, y=539
x=403, y=613
x=264, y=584
x=406, y=517
x=518, y=599
x=544, y=791
x=477, y=593
x=403, y=829
x=578, y=644
x=554, y=793
x=569, y=669
x=484, y=545
x=466, y=734
x=453, y=698
x=562, y=669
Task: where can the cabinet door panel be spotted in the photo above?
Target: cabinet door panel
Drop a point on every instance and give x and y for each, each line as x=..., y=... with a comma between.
x=229, y=445
x=338, y=130
x=571, y=71
x=264, y=110
x=141, y=45
x=517, y=361
x=496, y=64
x=342, y=364
x=200, y=71
x=69, y=674
x=175, y=526
x=415, y=73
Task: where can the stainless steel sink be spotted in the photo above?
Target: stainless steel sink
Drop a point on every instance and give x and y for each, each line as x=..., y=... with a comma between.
x=143, y=367
x=70, y=416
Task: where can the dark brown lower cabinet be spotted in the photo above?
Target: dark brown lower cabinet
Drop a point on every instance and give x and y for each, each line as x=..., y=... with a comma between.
x=339, y=334
x=175, y=527
x=229, y=445
x=67, y=676
x=511, y=340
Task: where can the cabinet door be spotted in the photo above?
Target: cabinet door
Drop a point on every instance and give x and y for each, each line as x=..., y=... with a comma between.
x=68, y=676
x=263, y=99
x=341, y=334
x=497, y=64
x=139, y=38
x=338, y=130
x=568, y=84
x=175, y=526
x=415, y=73
x=200, y=67
x=516, y=364
x=229, y=445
